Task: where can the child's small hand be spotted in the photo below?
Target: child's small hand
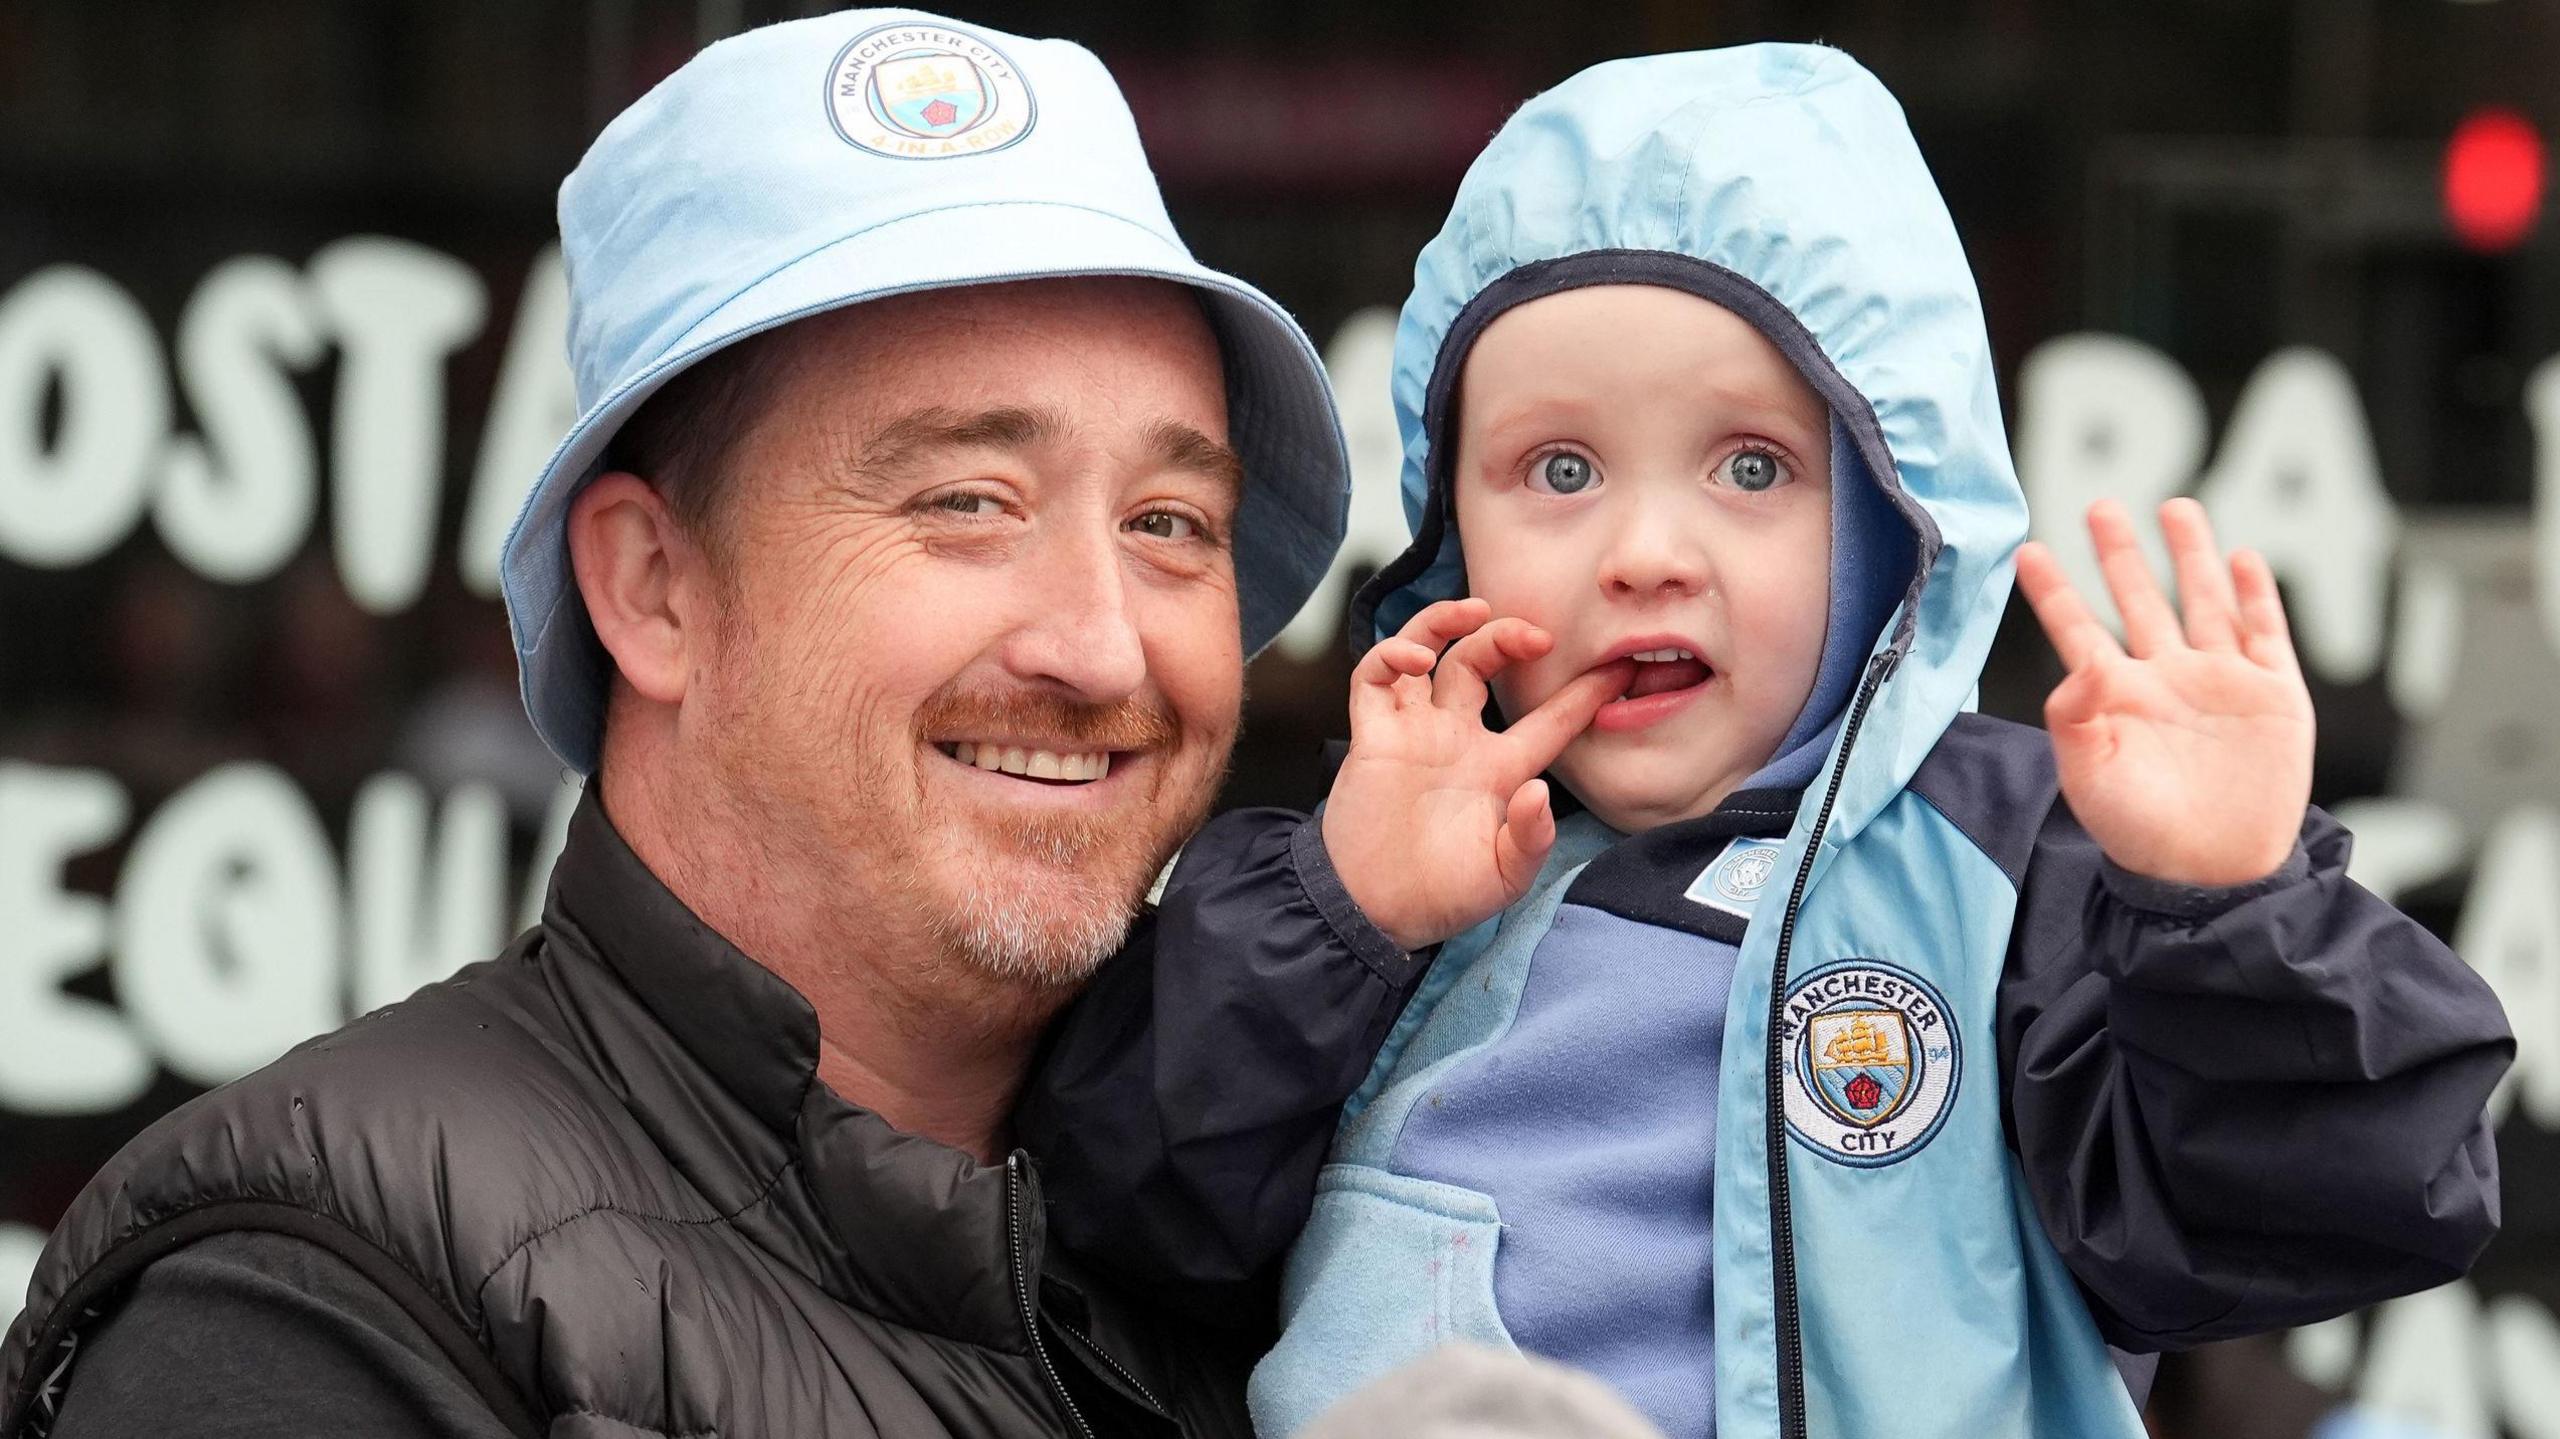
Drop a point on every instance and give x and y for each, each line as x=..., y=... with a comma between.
x=1436, y=823
x=2188, y=760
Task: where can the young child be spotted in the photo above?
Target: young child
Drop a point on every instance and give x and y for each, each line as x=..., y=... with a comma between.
x=1844, y=1064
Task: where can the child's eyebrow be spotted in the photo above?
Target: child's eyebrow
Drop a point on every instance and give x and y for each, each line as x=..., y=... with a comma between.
x=1545, y=412
x=1737, y=406
x=1752, y=401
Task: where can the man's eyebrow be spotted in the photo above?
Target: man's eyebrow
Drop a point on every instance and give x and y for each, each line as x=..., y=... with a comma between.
x=1178, y=446
x=918, y=433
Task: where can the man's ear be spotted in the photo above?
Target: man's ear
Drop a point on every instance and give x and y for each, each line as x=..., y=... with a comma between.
x=625, y=546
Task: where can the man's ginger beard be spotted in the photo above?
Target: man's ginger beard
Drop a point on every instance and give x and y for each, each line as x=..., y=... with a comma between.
x=1028, y=901
x=1093, y=869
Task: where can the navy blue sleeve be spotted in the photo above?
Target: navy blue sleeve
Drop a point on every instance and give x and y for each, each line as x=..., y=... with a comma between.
x=2243, y=1109
x=1184, y=1102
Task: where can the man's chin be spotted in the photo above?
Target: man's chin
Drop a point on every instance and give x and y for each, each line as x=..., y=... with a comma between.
x=1040, y=913
x=1043, y=899
x=1022, y=935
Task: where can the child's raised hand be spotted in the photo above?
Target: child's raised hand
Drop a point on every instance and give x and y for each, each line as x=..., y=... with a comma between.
x=2188, y=759
x=1435, y=822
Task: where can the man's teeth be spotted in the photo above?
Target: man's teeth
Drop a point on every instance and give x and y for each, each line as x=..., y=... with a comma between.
x=1032, y=763
x=1657, y=657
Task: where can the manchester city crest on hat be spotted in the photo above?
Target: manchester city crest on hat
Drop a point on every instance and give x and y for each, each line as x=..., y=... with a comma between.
x=1733, y=880
x=1873, y=1061
x=916, y=91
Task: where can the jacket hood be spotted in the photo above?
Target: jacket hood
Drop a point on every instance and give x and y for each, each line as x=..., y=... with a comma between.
x=1781, y=182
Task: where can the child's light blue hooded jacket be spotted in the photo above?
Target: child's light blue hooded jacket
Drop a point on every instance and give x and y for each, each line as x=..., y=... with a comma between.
x=1875, y=1101
x=1781, y=183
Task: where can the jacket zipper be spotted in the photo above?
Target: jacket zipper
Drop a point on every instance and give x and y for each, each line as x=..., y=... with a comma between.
x=1782, y=1239
x=1087, y=1345
x=1013, y=1196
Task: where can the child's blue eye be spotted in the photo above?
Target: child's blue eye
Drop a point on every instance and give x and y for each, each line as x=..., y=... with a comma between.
x=1566, y=474
x=1754, y=470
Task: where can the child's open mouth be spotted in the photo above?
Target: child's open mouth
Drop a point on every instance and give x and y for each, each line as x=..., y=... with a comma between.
x=1655, y=677
x=1665, y=682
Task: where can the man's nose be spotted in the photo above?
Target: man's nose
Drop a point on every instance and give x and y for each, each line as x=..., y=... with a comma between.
x=1077, y=627
x=1654, y=555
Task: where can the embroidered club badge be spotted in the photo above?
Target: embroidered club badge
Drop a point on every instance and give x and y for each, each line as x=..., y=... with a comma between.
x=1873, y=1062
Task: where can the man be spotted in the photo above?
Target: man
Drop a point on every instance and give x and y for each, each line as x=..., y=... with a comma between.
x=894, y=588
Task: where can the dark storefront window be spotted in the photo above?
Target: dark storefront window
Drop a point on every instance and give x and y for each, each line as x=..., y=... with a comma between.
x=280, y=349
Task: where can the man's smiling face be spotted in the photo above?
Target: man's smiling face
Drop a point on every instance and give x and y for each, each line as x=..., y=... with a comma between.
x=981, y=646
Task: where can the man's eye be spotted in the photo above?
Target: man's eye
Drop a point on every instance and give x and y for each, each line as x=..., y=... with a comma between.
x=1563, y=474
x=1754, y=470
x=969, y=504
x=1166, y=525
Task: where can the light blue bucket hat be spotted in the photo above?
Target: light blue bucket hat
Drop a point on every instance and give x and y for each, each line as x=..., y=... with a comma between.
x=808, y=166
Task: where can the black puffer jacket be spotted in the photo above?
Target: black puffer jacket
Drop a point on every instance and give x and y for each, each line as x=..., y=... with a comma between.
x=601, y=1173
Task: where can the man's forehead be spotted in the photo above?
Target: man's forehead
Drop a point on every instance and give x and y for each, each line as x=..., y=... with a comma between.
x=986, y=311
x=1061, y=343
x=1011, y=366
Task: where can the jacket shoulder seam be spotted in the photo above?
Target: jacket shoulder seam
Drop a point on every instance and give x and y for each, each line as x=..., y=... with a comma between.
x=1976, y=732
x=155, y=1238
x=1971, y=838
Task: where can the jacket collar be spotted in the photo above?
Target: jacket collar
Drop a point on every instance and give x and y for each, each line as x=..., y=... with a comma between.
x=908, y=1229
x=1707, y=876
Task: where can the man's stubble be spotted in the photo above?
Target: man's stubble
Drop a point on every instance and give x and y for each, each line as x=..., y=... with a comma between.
x=1027, y=904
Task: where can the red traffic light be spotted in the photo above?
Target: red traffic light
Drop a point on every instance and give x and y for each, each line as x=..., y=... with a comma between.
x=2493, y=179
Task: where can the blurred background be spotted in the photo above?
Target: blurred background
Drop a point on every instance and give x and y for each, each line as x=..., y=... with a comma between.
x=280, y=350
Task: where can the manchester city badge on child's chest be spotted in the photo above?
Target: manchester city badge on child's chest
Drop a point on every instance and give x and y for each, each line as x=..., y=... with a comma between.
x=1873, y=1060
